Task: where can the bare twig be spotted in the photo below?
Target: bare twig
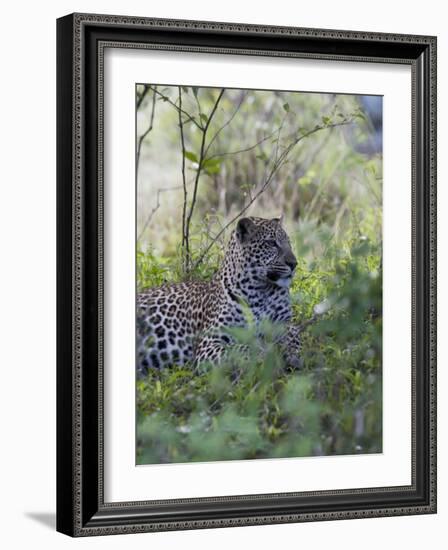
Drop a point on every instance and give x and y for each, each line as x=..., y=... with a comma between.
x=195, y=93
x=156, y=207
x=229, y=120
x=198, y=173
x=142, y=96
x=185, y=243
x=216, y=155
x=188, y=116
x=146, y=132
x=277, y=145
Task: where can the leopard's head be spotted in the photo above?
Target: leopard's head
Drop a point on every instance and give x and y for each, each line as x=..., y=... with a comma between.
x=261, y=253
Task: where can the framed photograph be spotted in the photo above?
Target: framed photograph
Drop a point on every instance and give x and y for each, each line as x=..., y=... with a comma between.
x=246, y=274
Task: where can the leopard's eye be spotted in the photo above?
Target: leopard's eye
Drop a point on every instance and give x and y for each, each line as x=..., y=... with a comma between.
x=271, y=242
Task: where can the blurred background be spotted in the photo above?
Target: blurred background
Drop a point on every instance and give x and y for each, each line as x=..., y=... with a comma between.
x=204, y=158
x=330, y=179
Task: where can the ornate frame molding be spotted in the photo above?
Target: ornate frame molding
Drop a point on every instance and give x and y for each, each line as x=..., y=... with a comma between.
x=81, y=42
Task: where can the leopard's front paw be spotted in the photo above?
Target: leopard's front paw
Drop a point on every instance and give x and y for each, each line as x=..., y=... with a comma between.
x=291, y=346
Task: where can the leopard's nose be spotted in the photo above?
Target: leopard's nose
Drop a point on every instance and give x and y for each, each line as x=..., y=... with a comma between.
x=291, y=262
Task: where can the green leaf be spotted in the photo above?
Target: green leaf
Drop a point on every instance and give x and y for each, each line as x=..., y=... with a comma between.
x=212, y=170
x=326, y=120
x=203, y=117
x=246, y=186
x=286, y=107
x=191, y=156
x=195, y=91
x=304, y=180
x=307, y=178
x=212, y=166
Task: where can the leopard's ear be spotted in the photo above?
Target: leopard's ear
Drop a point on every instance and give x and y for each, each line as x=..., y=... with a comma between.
x=279, y=219
x=245, y=229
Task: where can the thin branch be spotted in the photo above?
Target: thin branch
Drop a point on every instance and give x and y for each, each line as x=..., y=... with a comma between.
x=142, y=96
x=199, y=170
x=185, y=243
x=243, y=150
x=151, y=123
x=166, y=98
x=198, y=105
x=243, y=97
x=277, y=165
x=274, y=154
x=156, y=207
x=277, y=145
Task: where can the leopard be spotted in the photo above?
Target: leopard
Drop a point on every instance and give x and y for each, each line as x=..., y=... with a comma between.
x=185, y=323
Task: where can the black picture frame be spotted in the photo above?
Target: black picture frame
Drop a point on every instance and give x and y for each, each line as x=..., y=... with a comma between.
x=81, y=510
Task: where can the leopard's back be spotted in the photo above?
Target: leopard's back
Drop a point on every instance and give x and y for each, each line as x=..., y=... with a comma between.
x=169, y=318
